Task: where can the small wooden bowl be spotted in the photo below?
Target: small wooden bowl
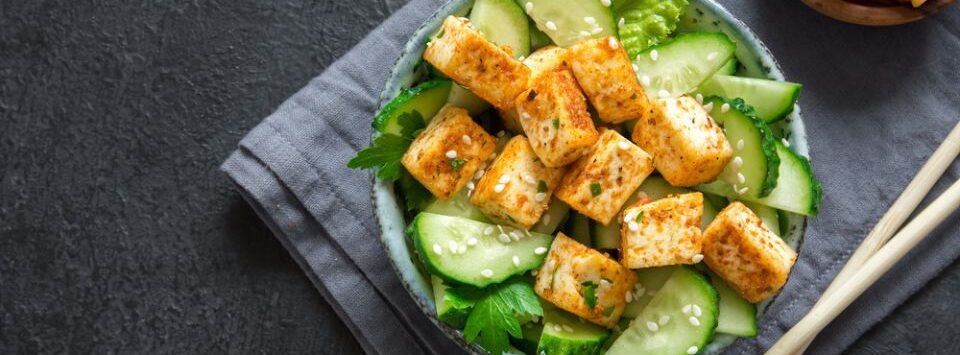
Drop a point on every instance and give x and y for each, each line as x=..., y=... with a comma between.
x=877, y=12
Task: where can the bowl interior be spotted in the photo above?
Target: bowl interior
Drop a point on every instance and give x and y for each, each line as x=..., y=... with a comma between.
x=702, y=15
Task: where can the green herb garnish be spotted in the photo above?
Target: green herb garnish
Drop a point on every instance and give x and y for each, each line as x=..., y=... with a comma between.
x=556, y=123
x=541, y=186
x=589, y=294
x=456, y=164
x=494, y=318
x=387, y=149
x=640, y=216
x=595, y=189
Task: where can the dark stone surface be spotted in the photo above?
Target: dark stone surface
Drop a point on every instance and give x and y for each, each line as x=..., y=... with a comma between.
x=117, y=232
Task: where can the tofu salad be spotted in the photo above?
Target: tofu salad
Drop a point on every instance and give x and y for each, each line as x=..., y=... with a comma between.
x=582, y=178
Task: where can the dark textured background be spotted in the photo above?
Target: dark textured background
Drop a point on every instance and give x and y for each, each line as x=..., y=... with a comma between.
x=117, y=232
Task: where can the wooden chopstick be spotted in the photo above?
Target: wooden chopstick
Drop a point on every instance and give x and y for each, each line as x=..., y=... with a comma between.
x=828, y=308
x=898, y=213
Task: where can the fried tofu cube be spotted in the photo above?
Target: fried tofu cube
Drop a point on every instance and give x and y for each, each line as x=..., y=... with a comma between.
x=573, y=272
x=543, y=60
x=516, y=188
x=554, y=116
x=606, y=75
x=690, y=148
x=745, y=254
x=663, y=232
x=461, y=53
x=448, y=152
x=600, y=182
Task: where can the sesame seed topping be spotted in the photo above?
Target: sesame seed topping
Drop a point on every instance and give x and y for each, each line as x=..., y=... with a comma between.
x=645, y=80
x=623, y=145
x=605, y=3
x=663, y=93
x=471, y=185
x=785, y=142
x=504, y=179
x=744, y=190
x=589, y=20
x=488, y=230
x=515, y=235
x=528, y=6
x=453, y=246
x=633, y=226
x=479, y=174
x=500, y=134
x=694, y=321
x=724, y=108
x=621, y=22
x=686, y=309
x=451, y=154
x=654, y=55
x=693, y=350
x=472, y=241
x=462, y=249
x=500, y=228
x=697, y=258
x=498, y=188
x=551, y=26
x=697, y=311
x=652, y=326
x=546, y=219
x=567, y=328
x=437, y=249
x=584, y=34
x=557, y=327
x=539, y=250
x=516, y=260
x=466, y=139
x=628, y=297
x=635, y=67
x=529, y=179
x=740, y=144
x=664, y=320
x=708, y=107
x=611, y=41
x=504, y=238
x=597, y=30
x=740, y=178
x=700, y=98
x=712, y=56
x=540, y=196
x=737, y=162
x=486, y=273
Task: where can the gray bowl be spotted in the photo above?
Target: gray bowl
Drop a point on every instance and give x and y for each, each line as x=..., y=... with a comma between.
x=702, y=15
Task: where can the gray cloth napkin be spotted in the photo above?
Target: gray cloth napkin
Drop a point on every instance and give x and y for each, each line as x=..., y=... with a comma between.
x=876, y=102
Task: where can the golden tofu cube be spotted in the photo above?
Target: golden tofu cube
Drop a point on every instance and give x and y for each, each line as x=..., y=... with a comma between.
x=461, y=53
x=745, y=254
x=543, y=60
x=600, y=182
x=572, y=271
x=663, y=232
x=554, y=116
x=448, y=152
x=690, y=148
x=606, y=75
x=516, y=188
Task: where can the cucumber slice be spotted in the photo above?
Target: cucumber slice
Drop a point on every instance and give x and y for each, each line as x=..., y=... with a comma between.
x=529, y=339
x=677, y=335
x=463, y=98
x=538, y=39
x=797, y=190
x=451, y=309
x=424, y=99
x=565, y=334
x=728, y=69
x=680, y=65
x=771, y=100
x=769, y=216
x=737, y=316
x=578, y=228
x=757, y=152
x=555, y=215
x=647, y=22
x=567, y=22
x=457, y=206
x=649, y=281
x=487, y=262
x=605, y=236
x=503, y=23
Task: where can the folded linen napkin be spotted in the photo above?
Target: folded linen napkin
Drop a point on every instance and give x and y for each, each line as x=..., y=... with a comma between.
x=873, y=116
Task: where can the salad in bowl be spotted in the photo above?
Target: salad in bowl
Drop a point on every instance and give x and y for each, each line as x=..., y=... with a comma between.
x=590, y=176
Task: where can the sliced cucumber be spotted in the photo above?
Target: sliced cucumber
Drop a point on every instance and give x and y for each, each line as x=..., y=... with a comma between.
x=567, y=22
x=797, y=190
x=769, y=216
x=649, y=281
x=757, y=153
x=463, y=98
x=729, y=68
x=530, y=338
x=578, y=228
x=647, y=22
x=771, y=100
x=605, y=236
x=451, y=309
x=538, y=39
x=424, y=99
x=555, y=215
x=503, y=23
x=680, y=65
x=458, y=206
x=487, y=261
x=737, y=316
x=565, y=334
x=682, y=329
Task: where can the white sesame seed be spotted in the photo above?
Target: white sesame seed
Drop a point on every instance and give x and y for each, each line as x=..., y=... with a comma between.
x=546, y=219
x=462, y=249
x=635, y=67
x=597, y=30
x=504, y=179
x=453, y=246
x=697, y=258
x=589, y=20
x=694, y=321
x=686, y=309
x=712, y=56
x=540, y=196
x=551, y=26
x=627, y=217
x=639, y=293
x=504, y=238
x=451, y=154
x=621, y=22
x=528, y=6
x=693, y=350
x=527, y=233
x=498, y=188
x=697, y=311
x=522, y=58
x=740, y=178
x=612, y=41
x=486, y=273
x=501, y=134
x=488, y=230
x=645, y=80
x=633, y=226
x=628, y=297
x=724, y=108
x=557, y=327
x=663, y=93
x=479, y=174
x=708, y=107
x=529, y=179
x=466, y=139
x=737, y=161
x=652, y=326
x=471, y=185
x=664, y=320
x=785, y=142
x=744, y=190
x=516, y=260
x=533, y=272
x=500, y=228
x=654, y=55
x=567, y=328
x=700, y=98
x=539, y=250
x=584, y=34
x=515, y=235
x=437, y=249
x=472, y=241
x=740, y=144
x=605, y=3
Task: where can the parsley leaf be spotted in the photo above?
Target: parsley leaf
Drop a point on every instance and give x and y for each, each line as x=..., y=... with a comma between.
x=456, y=164
x=608, y=311
x=411, y=123
x=541, y=186
x=494, y=317
x=589, y=294
x=415, y=195
x=595, y=189
x=640, y=216
x=387, y=149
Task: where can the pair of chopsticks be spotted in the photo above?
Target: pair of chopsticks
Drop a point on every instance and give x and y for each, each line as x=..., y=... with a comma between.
x=879, y=251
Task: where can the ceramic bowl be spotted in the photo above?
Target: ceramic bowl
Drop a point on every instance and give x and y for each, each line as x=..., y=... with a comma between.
x=704, y=15
x=876, y=12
